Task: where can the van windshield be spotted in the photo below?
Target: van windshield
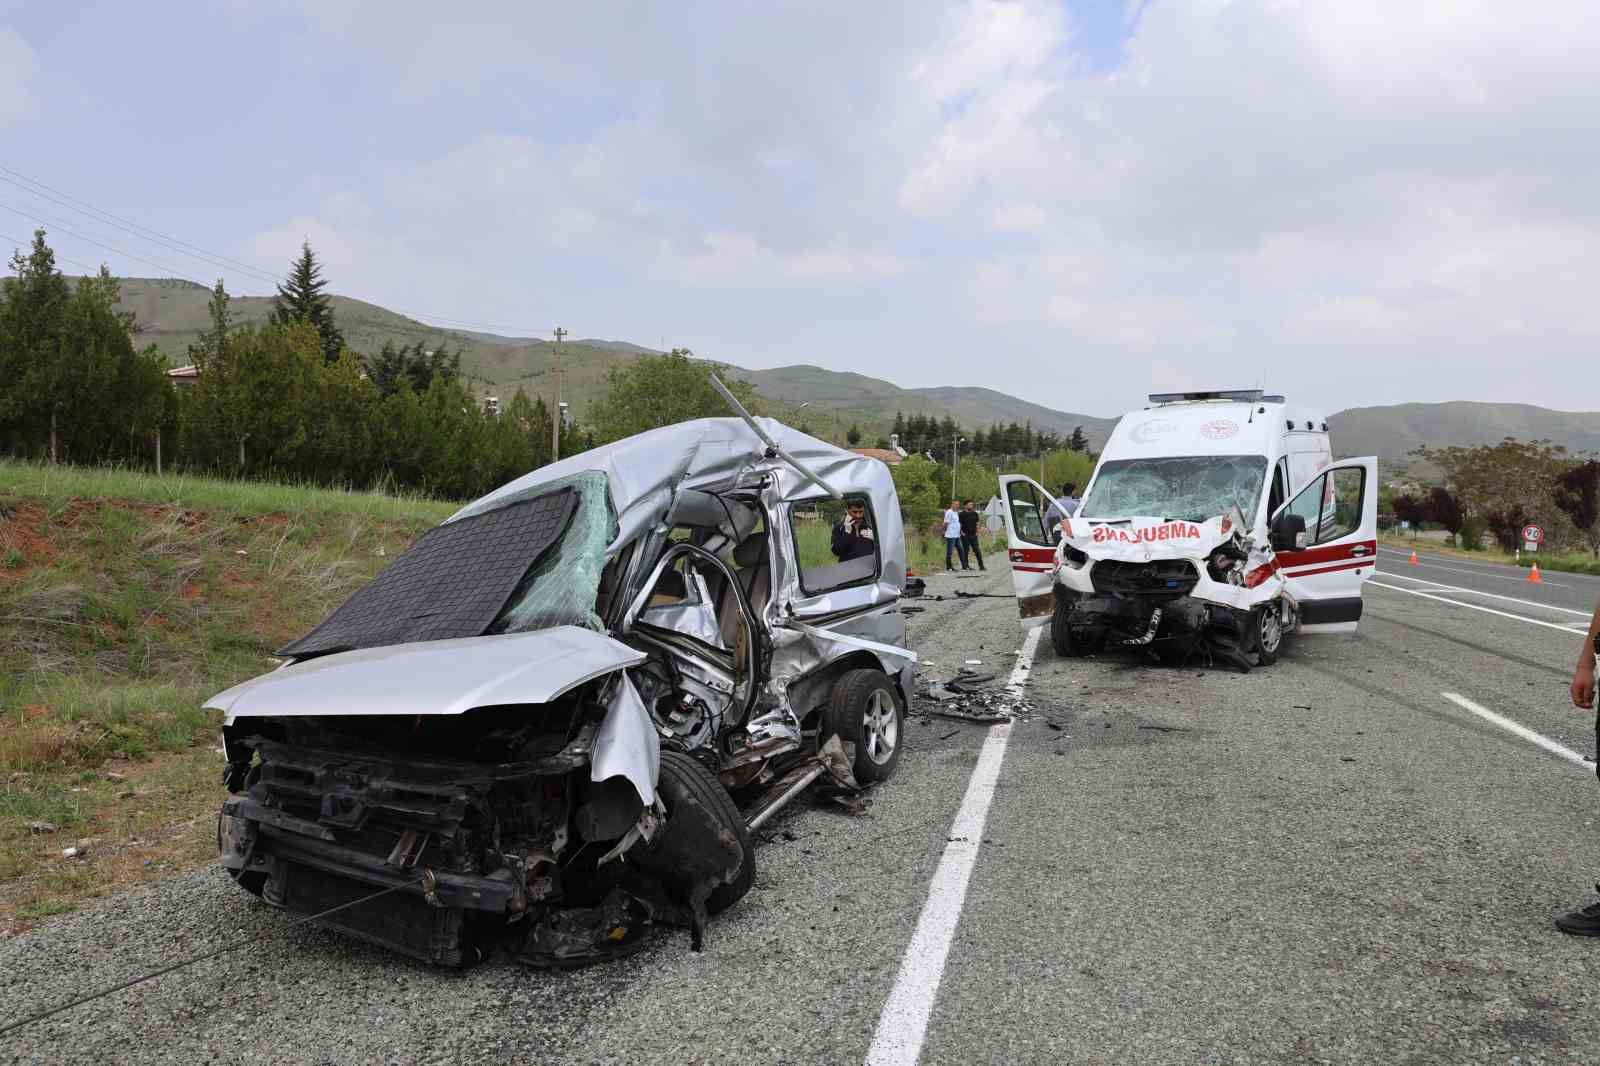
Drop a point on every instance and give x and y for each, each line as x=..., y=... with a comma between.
x=1191, y=487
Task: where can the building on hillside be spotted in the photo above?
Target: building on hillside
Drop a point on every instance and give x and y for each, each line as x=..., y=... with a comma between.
x=183, y=377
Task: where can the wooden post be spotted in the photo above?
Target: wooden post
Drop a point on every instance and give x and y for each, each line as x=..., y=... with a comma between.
x=158, y=453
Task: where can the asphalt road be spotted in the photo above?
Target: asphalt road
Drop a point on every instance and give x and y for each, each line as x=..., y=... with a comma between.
x=1327, y=860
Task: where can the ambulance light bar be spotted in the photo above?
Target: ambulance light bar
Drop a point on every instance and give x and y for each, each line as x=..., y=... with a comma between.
x=1236, y=395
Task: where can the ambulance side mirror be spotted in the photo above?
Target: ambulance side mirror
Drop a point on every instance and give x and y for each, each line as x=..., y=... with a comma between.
x=1288, y=532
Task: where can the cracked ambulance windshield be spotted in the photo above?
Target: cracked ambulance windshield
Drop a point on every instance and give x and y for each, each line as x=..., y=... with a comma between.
x=1193, y=488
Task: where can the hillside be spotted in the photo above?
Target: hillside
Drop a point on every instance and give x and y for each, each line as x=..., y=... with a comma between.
x=172, y=313
x=875, y=401
x=1392, y=432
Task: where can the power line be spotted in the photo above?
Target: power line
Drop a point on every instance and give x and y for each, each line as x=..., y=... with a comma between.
x=136, y=230
x=99, y=244
x=195, y=251
x=75, y=262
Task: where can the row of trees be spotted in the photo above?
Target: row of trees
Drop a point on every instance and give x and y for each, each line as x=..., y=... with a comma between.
x=287, y=399
x=1497, y=489
x=923, y=433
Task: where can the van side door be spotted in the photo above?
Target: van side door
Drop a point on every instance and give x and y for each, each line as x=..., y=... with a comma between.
x=1325, y=572
x=1029, y=547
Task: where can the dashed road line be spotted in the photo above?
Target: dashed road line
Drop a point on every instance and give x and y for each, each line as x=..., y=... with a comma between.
x=1519, y=729
x=903, y=1025
x=1567, y=628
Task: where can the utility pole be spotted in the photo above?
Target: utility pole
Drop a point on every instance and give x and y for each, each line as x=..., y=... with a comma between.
x=555, y=408
x=955, y=443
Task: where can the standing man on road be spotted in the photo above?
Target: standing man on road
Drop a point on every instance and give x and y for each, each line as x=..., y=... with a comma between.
x=952, y=537
x=1586, y=920
x=969, y=536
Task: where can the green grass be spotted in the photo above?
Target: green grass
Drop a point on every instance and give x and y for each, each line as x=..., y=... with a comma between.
x=125, y=601
x=924, y=553
x=60, y=484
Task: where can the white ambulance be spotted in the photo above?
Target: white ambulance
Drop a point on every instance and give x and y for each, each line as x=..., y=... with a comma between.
x=1215, y=525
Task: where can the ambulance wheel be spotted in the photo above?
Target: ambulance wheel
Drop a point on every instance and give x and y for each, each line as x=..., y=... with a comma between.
x=1061, y=632
x=1266, y=632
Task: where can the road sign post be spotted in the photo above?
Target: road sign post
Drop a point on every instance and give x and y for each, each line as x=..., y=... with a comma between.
x=1532, y=537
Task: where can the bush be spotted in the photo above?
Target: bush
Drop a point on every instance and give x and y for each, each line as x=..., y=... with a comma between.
x=1472, y=532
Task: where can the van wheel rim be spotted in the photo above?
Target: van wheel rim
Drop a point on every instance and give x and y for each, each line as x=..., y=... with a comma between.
x=1271, y=629
x=880, y=727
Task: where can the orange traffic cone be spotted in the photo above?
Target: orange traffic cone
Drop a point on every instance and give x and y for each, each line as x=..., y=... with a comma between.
x=1413, y=559
x=1533, y=575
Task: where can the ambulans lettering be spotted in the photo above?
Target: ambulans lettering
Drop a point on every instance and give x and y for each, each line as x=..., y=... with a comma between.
x=1147, y=534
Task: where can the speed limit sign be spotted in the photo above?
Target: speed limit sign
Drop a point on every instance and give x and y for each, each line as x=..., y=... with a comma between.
x=1532, y=537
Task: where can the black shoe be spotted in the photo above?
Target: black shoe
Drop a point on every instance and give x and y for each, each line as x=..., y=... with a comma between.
x=1582, y=922
x=966, y=568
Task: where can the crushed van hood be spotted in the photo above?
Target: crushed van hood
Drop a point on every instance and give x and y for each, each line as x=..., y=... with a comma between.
x=1142, y=539
x=432, y=677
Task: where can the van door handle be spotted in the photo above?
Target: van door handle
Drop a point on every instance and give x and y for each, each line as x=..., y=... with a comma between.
x=1360, y=549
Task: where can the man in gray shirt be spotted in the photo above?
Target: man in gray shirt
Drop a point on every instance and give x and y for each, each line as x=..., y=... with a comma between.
x=1065, y=507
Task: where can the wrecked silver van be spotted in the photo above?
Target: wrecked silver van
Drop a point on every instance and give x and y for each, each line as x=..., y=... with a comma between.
x=558, y=718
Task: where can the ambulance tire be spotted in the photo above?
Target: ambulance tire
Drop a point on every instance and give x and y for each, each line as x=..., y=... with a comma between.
x=1266, y=632
x=1061, y=637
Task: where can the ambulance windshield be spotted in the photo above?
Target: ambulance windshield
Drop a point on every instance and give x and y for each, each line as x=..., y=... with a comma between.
x=1193, y=488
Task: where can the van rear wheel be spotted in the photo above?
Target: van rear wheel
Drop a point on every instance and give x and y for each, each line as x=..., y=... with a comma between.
x=866, y=715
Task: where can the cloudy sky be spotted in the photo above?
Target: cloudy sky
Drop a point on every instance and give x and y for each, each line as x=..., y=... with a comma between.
x=1362, y=201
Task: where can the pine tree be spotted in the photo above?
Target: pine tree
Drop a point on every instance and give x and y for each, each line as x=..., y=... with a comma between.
x=854, y=436
x=1078, y=443
x=301, y=299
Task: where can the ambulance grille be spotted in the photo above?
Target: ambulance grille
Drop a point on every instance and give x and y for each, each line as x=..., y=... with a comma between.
x=1161, y=578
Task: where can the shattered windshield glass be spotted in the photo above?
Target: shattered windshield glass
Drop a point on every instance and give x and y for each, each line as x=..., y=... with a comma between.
x=1193, y=488
x=561, y=588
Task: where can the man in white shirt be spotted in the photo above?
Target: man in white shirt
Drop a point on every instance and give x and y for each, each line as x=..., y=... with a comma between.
x=952, y=536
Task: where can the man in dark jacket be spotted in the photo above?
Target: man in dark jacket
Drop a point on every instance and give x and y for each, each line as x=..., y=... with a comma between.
x=852, y=536
x=969, y=534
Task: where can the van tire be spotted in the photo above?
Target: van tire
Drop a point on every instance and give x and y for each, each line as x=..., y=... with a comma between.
x=860, y=695
x=684, y=781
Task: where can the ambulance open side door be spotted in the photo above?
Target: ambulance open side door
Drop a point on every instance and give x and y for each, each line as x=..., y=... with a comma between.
x=1029, y=547
x=1326, y=543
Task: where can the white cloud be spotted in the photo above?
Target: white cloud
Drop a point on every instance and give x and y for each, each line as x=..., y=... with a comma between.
x=17, y=70
x=1344, y=193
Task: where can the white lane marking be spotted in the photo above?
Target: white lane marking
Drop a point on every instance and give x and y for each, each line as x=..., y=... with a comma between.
x=1478, y=607
x=903, y=1025
x=1519, y=729
x=1492, y=595
x=1480, y=573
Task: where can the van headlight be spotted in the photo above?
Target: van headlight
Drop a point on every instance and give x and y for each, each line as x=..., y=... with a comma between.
x=1073, y=557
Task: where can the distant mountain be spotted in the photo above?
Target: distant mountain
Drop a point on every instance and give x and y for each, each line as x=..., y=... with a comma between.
x=875, y=402
x=1391, y=433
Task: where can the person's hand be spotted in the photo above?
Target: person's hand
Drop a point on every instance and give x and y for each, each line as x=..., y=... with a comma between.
x=867, y=534
x=1583, y=683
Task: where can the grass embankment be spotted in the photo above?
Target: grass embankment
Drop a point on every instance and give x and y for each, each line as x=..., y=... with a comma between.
x=125, y=601
x=1567, y=562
